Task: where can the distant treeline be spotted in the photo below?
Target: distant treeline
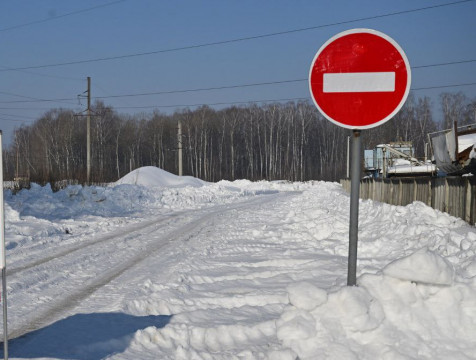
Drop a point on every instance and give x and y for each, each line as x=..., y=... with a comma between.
x=276, y=141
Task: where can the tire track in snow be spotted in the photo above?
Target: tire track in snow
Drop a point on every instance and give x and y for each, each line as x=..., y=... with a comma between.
x=58, y=309
x=114, y=235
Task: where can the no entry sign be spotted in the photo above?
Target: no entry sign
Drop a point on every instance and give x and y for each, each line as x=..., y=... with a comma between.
x=359, y=78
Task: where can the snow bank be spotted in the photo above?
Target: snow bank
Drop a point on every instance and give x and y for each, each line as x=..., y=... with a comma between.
x=144, y=188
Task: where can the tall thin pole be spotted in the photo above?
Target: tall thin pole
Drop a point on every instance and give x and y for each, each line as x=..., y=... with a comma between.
x=354, y=208
x=179, y=140
x=88, y=136
x=2, y=257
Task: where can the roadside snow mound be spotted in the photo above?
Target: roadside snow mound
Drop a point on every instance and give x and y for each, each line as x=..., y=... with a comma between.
x=404, y=302
x=154, y=176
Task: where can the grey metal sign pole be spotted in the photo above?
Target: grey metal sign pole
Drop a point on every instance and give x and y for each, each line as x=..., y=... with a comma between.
x=354, y=207
x=2, y=256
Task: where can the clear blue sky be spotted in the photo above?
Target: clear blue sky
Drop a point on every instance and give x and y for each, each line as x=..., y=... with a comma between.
x=438, y=35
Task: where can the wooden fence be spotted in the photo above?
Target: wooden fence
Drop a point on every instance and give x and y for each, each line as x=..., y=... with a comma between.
x=453, y=195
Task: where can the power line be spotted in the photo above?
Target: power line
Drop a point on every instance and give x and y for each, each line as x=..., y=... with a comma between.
x=213, y=104
x=63, y=100
x=444, y=64
x=203, y=89
x=43, y=75
x=32, y=99
x=60, y=16
x=25, y=109
x=18, y=120
x=17, y=116
x=22, y=96
x=223, y=42
x=443, y=86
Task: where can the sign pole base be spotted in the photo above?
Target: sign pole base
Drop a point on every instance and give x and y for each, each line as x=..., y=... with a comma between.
x=354, y=208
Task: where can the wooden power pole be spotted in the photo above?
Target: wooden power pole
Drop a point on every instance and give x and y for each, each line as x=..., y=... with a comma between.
x=179, y=140
x=88, y=136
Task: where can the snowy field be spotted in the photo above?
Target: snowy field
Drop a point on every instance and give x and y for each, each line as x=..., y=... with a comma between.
x=161, y=267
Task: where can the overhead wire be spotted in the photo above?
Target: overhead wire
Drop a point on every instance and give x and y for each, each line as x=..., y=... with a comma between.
x=229, y=41
x=60, y=16
x=34, y=100
x=26, y=120
x=202, y=89
x=44, y=75
x=16, y=116
x=18, y=95
x=24, y=108
x=443, y=86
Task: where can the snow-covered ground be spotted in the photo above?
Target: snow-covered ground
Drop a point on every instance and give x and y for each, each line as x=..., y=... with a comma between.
x=160, y=267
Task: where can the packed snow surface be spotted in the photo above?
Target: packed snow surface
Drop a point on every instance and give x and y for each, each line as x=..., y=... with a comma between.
x=165, y=267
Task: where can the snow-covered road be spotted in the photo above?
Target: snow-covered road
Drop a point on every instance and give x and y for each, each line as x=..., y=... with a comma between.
x=236, y=270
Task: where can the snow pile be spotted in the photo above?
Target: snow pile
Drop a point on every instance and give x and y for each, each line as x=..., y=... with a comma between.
x=156, y=190
x=423, y=266
x=152, y=176
x=397, y=314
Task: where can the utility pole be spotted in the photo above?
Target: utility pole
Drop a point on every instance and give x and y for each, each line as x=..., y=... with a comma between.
x=179, y=139
x=88, y=136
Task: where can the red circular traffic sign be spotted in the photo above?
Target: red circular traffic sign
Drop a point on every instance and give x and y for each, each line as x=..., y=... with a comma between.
x=359, y=78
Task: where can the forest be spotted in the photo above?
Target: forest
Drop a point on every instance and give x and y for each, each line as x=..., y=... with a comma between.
x=290, y=141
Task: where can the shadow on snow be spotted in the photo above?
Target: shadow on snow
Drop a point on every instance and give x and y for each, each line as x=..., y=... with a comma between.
x=84, y=336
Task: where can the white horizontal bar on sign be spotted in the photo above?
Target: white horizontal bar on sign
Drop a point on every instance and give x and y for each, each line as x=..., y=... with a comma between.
x=359, y=82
